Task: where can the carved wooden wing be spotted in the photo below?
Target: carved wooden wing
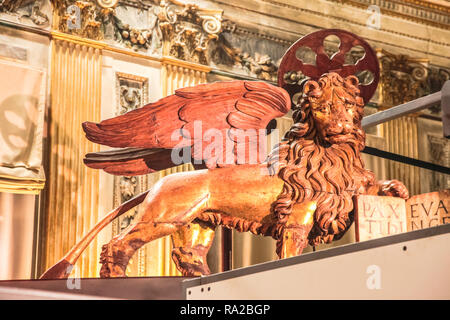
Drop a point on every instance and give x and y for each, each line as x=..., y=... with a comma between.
x=218, y=124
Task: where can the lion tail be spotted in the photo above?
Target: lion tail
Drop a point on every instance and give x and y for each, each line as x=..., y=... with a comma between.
x=62, y=269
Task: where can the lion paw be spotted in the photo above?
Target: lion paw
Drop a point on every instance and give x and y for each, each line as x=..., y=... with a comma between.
x=393, y=188
x=190, y=262
x=110, y=266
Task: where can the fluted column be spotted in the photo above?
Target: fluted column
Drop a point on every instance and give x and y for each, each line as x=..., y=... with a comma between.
x=177, y=74
x=72, y=188
x=401, y=138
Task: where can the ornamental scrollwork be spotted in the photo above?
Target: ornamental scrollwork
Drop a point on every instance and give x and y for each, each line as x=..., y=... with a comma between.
x=188, y=30
x=107, y=3
x=185, y=29
x=404, y=79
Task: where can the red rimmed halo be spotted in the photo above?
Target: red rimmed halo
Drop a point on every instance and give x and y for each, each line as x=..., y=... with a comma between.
x=292, y=69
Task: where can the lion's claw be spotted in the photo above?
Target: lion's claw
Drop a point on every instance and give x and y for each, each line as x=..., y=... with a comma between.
x=393, y=188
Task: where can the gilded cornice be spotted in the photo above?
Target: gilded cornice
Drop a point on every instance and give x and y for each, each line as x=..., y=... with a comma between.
x=185, y=64
x=56, y=35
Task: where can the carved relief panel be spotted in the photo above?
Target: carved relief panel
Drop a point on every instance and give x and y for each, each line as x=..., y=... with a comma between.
x=131, y=93
x=36, y=13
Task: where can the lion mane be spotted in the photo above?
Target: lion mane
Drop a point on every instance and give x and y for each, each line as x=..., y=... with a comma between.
x=312, y=169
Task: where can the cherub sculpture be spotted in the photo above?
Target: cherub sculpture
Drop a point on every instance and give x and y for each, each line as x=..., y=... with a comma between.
x=300, y=194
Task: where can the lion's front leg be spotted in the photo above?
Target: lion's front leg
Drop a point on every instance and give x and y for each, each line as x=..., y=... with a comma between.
x=294, y=237
x=190, y=247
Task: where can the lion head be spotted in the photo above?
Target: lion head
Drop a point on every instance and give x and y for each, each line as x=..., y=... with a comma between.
x=335, y=108
x=319, y=157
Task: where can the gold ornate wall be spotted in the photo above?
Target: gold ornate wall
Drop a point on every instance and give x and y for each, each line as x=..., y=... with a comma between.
x=188, y=42
x=71, y=192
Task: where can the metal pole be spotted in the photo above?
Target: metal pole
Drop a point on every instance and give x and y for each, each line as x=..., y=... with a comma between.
x=401, y=110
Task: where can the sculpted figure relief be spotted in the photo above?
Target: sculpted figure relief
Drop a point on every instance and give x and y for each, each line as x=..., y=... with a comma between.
x=300, y=194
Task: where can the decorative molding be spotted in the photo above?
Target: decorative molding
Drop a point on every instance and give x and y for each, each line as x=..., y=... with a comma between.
x=131, y=93
x=125, y=188
x=419, y=11
x=233, y=27
x=56, y=35
x=185, y=29
x=99, y=45
x=185, y=64
x=339, y=19
x=264, y=66
x=139, y=38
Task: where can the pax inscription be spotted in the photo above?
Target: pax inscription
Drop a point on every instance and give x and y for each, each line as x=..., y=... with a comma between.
x=377, y=217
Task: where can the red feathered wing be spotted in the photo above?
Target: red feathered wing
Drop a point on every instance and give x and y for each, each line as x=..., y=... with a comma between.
x=221, y=122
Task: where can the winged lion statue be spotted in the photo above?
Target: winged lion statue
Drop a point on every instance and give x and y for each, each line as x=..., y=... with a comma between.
x=300, y=194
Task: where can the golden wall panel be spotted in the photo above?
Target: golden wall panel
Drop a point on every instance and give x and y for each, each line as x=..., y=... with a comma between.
x=72, y=190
